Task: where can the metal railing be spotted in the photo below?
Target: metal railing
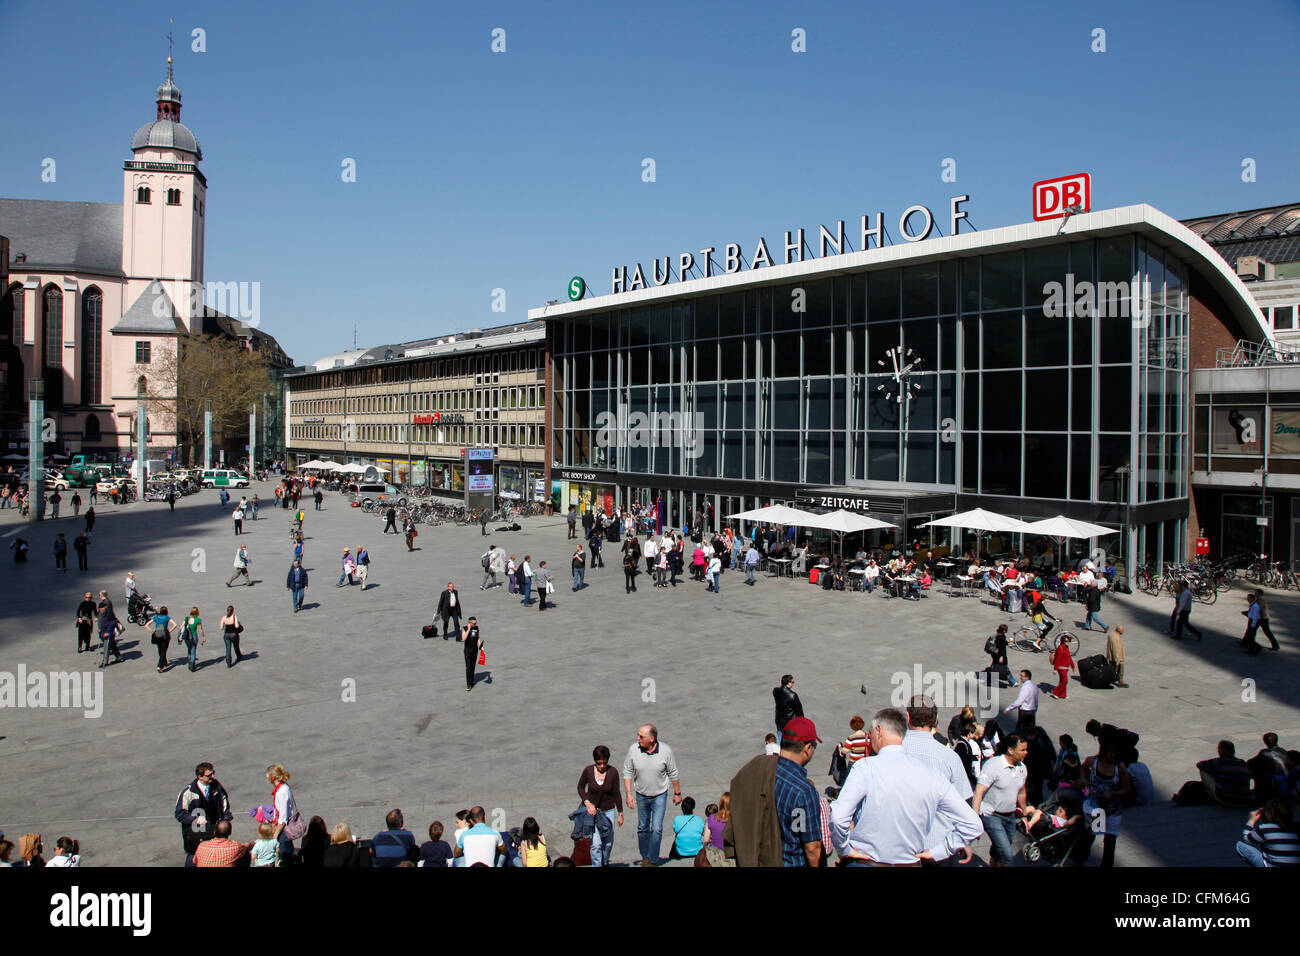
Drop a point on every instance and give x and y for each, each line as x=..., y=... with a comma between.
x=1253, y=354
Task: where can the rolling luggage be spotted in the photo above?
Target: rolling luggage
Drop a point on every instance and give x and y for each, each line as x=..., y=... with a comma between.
x=1097, y=673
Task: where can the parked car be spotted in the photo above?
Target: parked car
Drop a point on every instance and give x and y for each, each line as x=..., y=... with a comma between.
x=224, y=478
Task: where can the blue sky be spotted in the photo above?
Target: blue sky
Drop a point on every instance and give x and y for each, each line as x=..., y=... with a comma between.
x=517, y=170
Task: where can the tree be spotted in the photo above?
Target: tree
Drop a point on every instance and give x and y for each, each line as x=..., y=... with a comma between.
x=209, y=371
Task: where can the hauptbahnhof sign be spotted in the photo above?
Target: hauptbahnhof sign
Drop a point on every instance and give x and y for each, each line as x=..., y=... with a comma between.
x=916, y=223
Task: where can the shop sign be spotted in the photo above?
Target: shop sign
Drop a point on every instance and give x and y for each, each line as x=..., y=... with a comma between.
x=915, y=223
x=1284, y=438
x=438, y=418
x=578, y=475
x=314, y=420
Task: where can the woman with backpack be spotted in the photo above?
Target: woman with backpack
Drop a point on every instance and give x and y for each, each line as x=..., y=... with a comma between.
x=163, y=627
x=996, y=648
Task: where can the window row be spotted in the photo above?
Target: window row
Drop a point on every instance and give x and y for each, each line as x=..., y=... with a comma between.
x=493, y=399
x=143, y=196
x=512, y=436
x=492, y=364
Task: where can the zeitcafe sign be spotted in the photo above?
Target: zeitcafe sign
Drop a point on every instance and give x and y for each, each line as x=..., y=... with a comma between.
x=915, y=223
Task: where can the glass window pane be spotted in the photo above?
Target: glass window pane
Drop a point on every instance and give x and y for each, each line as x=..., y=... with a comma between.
x=1047, y=400
x=1112, y=452
x=882, y=457
x=817, y=451
x=922, y=338
x=1000, y=467
x=1044, y=265
x=970, y=458
x=921, y=455
x=731, y=314
x=706, y=317
x=817, y=303
x=1115, y=402
x=819, y=404
x=1001, y=281
x=1002, y=401
x=817, y=352
x=785, y=355
x=785, y=404
x=1002, y=340
x=1116, y=336
x=1081, y=399
x=1045, y=466
x=785, y=456
x=921, y=290
x=1047, y=341
x=883, y=296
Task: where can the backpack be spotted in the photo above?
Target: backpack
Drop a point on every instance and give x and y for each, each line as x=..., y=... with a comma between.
x=991, y=645
x=486, y=561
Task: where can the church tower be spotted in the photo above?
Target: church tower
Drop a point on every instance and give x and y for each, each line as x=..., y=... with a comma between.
x=163, y=203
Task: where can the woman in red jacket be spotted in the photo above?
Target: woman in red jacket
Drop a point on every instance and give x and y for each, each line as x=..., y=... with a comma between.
x=1063, y=662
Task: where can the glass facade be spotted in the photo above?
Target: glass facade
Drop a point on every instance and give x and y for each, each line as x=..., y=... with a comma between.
x=1033, y=373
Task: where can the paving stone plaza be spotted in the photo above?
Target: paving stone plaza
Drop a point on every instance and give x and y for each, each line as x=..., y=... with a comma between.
x=588, y=671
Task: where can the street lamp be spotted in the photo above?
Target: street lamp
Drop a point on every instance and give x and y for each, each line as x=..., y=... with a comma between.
x=1263, y=509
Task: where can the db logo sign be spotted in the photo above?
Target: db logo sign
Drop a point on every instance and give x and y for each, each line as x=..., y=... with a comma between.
x=1052, y=197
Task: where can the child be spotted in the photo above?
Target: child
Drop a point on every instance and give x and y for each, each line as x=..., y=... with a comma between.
x=689, y=830
x=717, y=816
x=437, y=851
x=1059, y=818
x=770, y=745
x=266, y=851
x=532, y=845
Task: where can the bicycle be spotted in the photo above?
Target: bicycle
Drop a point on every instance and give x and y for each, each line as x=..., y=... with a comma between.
x=1027, y=637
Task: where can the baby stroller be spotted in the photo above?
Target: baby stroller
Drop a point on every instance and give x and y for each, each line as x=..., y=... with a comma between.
x=1049, y=842
x=139, y=610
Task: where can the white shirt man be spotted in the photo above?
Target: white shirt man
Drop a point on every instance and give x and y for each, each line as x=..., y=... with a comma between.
x=999, y=790
x=1026, y=702
x=909, y=801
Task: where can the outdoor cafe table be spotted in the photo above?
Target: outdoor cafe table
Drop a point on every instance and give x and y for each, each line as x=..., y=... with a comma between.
x=783, y=566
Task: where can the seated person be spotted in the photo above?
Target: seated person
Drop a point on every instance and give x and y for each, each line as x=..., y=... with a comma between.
x=872, y=576
x=926, y=580
x=993, y=581
x=1269, y=769
x=1269, y=838
x=860, y=557
x=838, y=573
x=1056, y=584
x=800, y=565
x=689, y=830
x=1226, y=777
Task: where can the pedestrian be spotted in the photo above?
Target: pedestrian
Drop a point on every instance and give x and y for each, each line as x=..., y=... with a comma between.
x=999, y=792
x=163, y=628
x=473, y=641
x=714, y=574
x=296, y=583
x=526, y=580
x=648, y=769
x=346, y=568
x=200, y=806
x=287, y=823
x=299, y=516
x=449, y=608
x=650, y=553
x=602, y=798
x=579, y=568
x=915, y=814
x=363, y=565
x=320, y=498
x=242, y=561
x=1182, y=612
x=94, y=493
x=1063, y=663
x=1109, y=788
x=1093, y=598
x=171, y=499
x=1253, y=618
x=661, y=569
x=594, y=543
x=751, y=563
x=788, y=704
x=192, y=634
x=1115, y=652
x=408, y=529
x=482, y=522
x=256, y=503
x=542, y=580
x=109, y=628
x=79, y=544
x=1026, y=703
x=629, y=571
x=85, y=622
x=90, y=520
x=55, y=500
x=1263, y=617
x=60, y=553
x=76, y=504
x=230, y=631
x=238, y=515
x=996, y=648
x=573, y=521
x=390, y=520
x=512, y=572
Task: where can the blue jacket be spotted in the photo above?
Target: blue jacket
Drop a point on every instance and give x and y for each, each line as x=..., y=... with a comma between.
x=584, y=823
x=288, y=581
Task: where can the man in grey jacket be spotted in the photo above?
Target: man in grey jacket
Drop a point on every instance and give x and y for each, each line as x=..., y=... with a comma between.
x=541, y=578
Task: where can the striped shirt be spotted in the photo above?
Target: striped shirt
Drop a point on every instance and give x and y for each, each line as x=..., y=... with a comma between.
x=1280, y=847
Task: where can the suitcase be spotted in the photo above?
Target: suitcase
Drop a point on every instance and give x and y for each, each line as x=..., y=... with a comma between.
x=1096, y=672
x=428, y=631
x=813, y=575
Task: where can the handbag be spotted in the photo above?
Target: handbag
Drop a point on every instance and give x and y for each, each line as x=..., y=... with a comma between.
x=550, y=587
x=482, y=657
x=295, y=827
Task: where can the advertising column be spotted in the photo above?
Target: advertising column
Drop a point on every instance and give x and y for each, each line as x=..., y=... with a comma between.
x=480, y=491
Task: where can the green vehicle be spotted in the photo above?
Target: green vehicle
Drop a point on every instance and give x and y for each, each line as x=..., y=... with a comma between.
x=80, y=474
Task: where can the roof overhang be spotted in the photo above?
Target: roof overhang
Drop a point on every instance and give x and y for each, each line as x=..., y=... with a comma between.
x=1142, y=219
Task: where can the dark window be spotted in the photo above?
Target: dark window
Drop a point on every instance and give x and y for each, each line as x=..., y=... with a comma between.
x=921, y=291
x=173, y=197
x=92, y=431
x=882, y=296
x=1081, y=410
x=1002, y=401
x=1047, y=340
x=142, y=194
x=92, y=309
x=16, y=303
x=53, y=338
x=882, y=457
x=1000, y=471
x=1115, y=401
x=1047, y=398
x=1002, y=341
x=1001, y=282
x=921, y=450
x=142, y=350
x=970, y=460
x=817, y=454
x=819, y=405
x=1045, y=466
x=817, y=352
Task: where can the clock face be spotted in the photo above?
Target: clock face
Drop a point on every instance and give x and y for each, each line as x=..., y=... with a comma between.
x=903, y=364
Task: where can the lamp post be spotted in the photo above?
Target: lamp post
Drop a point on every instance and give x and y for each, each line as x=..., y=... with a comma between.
x=1263, y=510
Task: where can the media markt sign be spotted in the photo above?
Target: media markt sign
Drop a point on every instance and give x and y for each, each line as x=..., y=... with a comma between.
x=577, y=288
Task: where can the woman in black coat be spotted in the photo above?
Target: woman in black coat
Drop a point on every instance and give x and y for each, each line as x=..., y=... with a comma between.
x=344, y=851
x=998, y=657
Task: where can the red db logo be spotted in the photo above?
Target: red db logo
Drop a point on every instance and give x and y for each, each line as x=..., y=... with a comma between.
x=1052, y=197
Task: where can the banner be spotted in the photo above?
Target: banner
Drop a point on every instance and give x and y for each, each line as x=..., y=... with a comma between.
x=1284, y=433
x=479, y=462
x=1237, y=431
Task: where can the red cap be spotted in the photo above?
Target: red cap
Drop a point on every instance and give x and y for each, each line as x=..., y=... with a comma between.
x=801, y=730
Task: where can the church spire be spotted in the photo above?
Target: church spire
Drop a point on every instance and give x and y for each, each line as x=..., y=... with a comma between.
x=169, y=94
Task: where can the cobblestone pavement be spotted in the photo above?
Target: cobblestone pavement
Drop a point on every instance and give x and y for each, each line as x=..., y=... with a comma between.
x=586, y=672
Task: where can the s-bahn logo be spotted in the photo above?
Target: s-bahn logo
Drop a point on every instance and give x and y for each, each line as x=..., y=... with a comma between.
x=1065, y=195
